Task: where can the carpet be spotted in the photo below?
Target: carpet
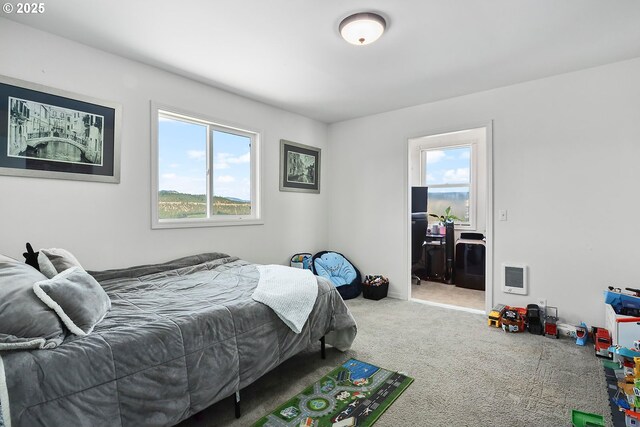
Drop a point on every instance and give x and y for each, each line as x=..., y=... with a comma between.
x=466, y=373
x=354, y=393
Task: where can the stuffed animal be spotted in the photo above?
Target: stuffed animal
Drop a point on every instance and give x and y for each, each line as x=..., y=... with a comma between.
x=30, y=257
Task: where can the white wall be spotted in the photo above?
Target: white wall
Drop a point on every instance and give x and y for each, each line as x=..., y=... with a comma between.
x=566, y=153
x=108, y=225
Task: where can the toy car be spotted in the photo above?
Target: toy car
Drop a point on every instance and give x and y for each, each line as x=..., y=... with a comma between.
x=602, y=342
x=513, y=319
x=495, y=316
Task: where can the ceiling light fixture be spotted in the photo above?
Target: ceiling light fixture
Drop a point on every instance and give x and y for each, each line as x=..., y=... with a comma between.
x=362, y=28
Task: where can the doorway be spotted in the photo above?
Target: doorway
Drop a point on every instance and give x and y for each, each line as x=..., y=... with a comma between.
x=450, y=265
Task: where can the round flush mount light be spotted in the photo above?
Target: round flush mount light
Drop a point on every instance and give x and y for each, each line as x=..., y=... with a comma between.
x=362, y=28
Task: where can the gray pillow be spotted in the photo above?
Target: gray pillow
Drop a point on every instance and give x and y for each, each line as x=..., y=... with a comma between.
x=25, y=322
x=77, y=299
x=53, y=261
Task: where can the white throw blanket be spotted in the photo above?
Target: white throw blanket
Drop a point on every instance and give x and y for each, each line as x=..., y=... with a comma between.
x=290, y=292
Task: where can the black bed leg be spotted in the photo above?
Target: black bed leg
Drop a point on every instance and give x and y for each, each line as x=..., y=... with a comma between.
x=237, y=402
x=323, y=351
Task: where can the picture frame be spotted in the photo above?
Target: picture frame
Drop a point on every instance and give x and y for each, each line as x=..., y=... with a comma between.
x=51, y=133
x=299, y=167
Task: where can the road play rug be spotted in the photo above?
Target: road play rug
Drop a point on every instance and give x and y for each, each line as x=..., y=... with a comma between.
x=353, y=394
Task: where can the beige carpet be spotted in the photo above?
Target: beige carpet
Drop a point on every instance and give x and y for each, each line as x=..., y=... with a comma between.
x=466, y=374
x=448, y=294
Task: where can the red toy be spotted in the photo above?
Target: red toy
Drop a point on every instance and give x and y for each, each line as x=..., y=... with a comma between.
x=514, y=319
x=602, y=342
x=551, y=322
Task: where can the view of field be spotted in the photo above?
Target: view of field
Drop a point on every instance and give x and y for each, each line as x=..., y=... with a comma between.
x=172, y=204
x=459, y=202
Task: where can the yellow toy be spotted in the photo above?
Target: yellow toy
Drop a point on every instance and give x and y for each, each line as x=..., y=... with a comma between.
x=495, y=316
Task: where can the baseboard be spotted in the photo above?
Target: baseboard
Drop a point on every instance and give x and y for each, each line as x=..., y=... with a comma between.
x=395, y=295
x=451, y=307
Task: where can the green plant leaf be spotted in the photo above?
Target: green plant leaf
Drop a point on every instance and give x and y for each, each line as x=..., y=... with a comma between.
x=447, y=216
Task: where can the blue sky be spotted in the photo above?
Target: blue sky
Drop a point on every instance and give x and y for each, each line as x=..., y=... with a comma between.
x=450, y=166
x=183, y=160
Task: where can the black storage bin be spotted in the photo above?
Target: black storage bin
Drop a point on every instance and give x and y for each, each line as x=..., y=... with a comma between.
x=375, y=287
x=375, y=292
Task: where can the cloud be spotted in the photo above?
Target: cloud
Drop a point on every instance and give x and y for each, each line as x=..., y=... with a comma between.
x=225, y=179
x=465, y=154
x=454, y=176
x=169, y=175
x=245, y=158
x=434, y=156
x=224, y=160
x=174, y=165
x=196, y=154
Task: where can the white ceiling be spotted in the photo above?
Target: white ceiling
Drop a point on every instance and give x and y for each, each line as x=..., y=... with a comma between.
x=288, y=53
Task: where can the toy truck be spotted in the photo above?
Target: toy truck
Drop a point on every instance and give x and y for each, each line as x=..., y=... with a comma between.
x=495, y=316
x=513, y=319
x=601, y=342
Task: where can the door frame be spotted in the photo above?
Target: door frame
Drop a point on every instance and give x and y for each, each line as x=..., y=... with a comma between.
x=489, y=270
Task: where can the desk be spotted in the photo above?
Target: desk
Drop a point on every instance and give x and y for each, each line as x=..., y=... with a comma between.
x=435, y=258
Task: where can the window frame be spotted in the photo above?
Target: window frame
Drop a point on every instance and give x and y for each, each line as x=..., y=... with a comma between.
x=212, y=125
x=473, y=179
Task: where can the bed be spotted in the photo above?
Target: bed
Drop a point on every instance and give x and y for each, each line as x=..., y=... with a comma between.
x=180, y=336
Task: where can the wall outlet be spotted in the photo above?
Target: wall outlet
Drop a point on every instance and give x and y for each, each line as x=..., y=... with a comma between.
x=502, y=214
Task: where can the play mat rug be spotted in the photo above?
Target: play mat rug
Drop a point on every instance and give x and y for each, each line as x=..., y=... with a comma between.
x=353, y=394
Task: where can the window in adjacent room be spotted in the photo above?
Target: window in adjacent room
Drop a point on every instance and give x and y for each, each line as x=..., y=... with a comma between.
x=449, y=174
x=205, y=172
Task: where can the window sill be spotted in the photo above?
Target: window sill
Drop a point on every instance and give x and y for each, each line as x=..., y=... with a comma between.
x=176, y=223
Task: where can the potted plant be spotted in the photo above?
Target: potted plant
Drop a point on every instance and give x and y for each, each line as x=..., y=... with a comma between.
x=447, y=218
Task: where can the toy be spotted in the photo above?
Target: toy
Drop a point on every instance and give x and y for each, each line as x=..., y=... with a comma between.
x=551, y=322
x=620, y=401
x=567, y=330
x=625, y=302
x=533, y=319
x=631, y=418
x=513, y=319
x=601, y=342
x=581, y=334
x=495, y=316
x=31, y=257
x=585, y=419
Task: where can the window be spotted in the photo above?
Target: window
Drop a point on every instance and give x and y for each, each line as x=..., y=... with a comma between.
x=448, y=173
x=205, y=173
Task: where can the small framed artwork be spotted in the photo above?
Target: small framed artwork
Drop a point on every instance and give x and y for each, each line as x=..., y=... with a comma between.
x=299, y=167
x=50, y=133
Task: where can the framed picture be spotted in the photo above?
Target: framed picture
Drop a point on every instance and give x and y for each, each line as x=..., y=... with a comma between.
x=299, y=167
x=49, y=133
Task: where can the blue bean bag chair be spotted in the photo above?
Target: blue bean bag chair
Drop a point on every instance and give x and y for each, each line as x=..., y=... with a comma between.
x=339, y=270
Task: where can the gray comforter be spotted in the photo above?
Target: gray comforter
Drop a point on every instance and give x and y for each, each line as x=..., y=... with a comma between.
x=180, y=336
